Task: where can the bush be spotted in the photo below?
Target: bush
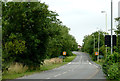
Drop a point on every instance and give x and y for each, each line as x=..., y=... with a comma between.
x=111, y=66
x=114, y=72
x=52, y=61
x=17, y=68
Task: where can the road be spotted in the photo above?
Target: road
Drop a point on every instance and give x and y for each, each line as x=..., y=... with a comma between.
x=80, y=68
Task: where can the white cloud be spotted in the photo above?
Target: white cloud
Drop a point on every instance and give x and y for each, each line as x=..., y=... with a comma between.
x=82, y=16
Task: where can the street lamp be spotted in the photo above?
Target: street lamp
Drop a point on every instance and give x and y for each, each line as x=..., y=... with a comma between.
x=94, y=42
x=111, y=24
x=105, y=19
x=106, y=27
x=98, y=43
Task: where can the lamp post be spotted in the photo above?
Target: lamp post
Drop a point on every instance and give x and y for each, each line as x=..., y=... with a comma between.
x=94, y=42
x=105, y=19
x=98, y=43
x=106, y=27
x=111, y=25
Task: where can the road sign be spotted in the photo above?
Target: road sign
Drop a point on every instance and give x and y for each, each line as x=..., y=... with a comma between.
x=108, y=40
x=64, y=53
x=96, y=53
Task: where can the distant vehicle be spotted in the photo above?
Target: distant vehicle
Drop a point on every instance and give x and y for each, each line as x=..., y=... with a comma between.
x=62, y=57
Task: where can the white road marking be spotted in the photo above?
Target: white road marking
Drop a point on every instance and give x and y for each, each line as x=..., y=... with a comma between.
x=57, y=75
x=90, y=63
x=64, y=72
x=47, y=78
x=69, y=63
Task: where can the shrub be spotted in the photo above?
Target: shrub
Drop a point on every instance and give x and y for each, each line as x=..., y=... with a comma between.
x=114, y=72
x=52, y=61
x=17, y=68
x=111, y=66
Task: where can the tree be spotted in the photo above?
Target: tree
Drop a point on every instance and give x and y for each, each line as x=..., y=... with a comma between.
x=32, y=33
x=118, y=32
x=88, y=45
x=27, y=24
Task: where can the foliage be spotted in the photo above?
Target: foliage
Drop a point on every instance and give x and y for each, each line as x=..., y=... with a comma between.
x=88, y=45
x=111, y=66
x=118, y=33
x=42, y=68
x=0, y=34
x=103, y=50
x=113, y=72
x=32, y=33
x=17, y=68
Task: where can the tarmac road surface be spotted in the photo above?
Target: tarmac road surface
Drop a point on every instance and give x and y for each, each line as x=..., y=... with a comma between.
x=80, y=68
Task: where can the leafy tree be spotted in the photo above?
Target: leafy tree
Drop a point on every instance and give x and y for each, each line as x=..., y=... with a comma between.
x=118, y=32
x=28, y=23
x=88, y=45
x=32, y=33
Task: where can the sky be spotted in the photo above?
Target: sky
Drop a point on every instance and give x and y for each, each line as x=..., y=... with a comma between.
x=84, y=17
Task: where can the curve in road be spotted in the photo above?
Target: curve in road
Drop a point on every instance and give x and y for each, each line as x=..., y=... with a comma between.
x=79, y=68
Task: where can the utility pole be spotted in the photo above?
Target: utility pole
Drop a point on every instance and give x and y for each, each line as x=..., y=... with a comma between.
x=106, y=50
x=106, y=27
x=111, y=25
x=98, y=44
x=94, y=43
x=106, y=33
x=105, y=19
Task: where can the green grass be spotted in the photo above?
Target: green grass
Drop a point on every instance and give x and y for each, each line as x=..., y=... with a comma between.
x=42, y=68
x=70, y=58
x=13, y=76
x=52, y=66
x=100, y=63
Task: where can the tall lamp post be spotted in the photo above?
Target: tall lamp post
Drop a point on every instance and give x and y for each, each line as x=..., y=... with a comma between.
x=105, y=19
x=106, y=27
x=94, y=42
x=111, y=25
x=98, y=44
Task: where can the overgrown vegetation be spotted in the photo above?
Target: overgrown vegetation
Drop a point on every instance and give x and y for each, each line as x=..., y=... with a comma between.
x=89, y=43
x=0, y=52
x=31, y=34
x=110, y=63
x=111, y=66
x=48, y=65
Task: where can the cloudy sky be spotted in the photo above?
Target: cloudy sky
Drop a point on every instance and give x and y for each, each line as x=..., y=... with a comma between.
x=83, y=17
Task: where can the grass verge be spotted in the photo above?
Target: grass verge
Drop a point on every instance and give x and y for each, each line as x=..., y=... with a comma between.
x=42, y=68
x=100, y=62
